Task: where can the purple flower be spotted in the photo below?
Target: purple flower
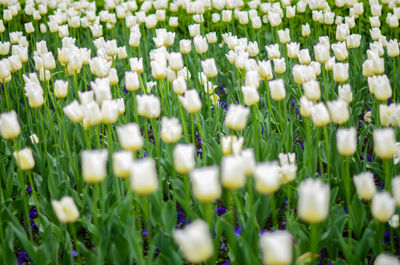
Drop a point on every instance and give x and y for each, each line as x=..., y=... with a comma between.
x=346, y=210
x=223, y=247
x=181, y=217
x=199, y=153
x=262, y=232
x=145, y=154
x=227, y=262
x=262, y=129
x=293, y=101
x=145, y=232
x=221, y=211
x=74, y=253
x=237, y=231
x=22, y=257
x=33, y=213
x=126, y=90
x=382, y=185
x=29, y=190
x=302, y=146
x=22, y=103
x=386, y=237
x=389, y=101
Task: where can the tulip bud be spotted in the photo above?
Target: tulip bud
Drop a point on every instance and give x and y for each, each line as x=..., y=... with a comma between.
x=392, y=48
x=109, y=111
x=339, y=111
x=273, y=51
x=100, y=67
x=205, y=184
x=384, y=142
x=320, y=115
x=185, y=46
x=236, y=117
x=65, y=209
x=171, y=130
x=179, y=85
x=233, y=172
x=365, y=185
x=306, y=107
x=24, y=159
x=136, y=65
x=195, y=241
x=396, y=189
x=279, y=66
x=175, y=61
x=383, y=206
x=191, y=101
x=394, y=222
x=251, y=95
x=94, y=165
x=184, y=158
x=284, y=36
x=132, y=82
x=277, y=248
x=340, y=51
x=313, y=201
x=74, y=111
x=304, y=57
x=345, y=93
x=277, y=89
x=200, y=44
x=122, y=162
x=305, y=30
x=293, y=49
x=340, y=72
x=267, y=177
x=61, y=88
x=265, y=70
x=148, y=106
x=346, y=141
x=9, y=125
x=209, y=67
x=380, y=87
x=129, y=137
x=312, y=90
x=386, y=259
x=144, y=180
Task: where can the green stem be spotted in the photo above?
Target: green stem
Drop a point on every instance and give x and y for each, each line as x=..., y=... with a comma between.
x=313, y=242
x=203, y=144
x=328, y=154
x=386, y=169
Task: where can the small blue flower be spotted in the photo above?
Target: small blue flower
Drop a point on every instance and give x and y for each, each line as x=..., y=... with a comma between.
x=29, y=190
x=74, y=253
x=221, y=211
x=33, y=213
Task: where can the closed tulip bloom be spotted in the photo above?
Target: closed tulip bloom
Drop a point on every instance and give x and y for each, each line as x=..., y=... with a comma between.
x=345, y=93
x=100, y=67
x=277, y=89
x=273, y=51
x=195, y=241
x=122, y=162
x=136, y=65
x=209, y=67
x=184, y=158
x=340, y=72
x=396, y=189
x=191, y=101
x=9, y=125
x=74, y=111
x=233, y=172
x=94, y=165
x=144, y=179
x=65, y=209
x=365, y=185
x=312, y=90
x=293, y=49
x=284, y=36
x=205, y=184
x=249, y=161
x=179, y=85
x=185, y=46
x=279, y=66
x=320, y=115
x=339, y=111
x=302, y=74
x=109, y=111
x=353, y=41
x=86, y=97
x=346, y=141
x=236, y=117
x=171, y=130
x=265, y=70
x=60, y=88
x=277, y=248
x=274, y=18
x=313, y=201
x=102, y=90
x=304, y=56
x=380, y=87
x=392, y=48
x=34, y=93
x=330, y=63
x=91, y=114
x=200, y=44
x=24, y=158
x=342, y=31
x=132, y=82
x=306, y=107
x=383, y=206
x=288, y=168
x=305, y=30
x=231, y=144
x=340, y=51
x=386, y=259
x=251, y=95
x=148, y=106
x=129, y=137
x=252, y=49
x=384, y=143
x=267, y=177
x=175, y=61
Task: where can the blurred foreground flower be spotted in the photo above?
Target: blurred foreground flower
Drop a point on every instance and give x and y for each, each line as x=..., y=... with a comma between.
x=65, y=209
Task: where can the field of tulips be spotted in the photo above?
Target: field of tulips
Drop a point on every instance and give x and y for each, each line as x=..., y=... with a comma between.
x=207, y=131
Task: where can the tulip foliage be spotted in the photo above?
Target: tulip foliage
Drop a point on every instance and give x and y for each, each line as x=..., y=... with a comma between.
x=199, y=131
